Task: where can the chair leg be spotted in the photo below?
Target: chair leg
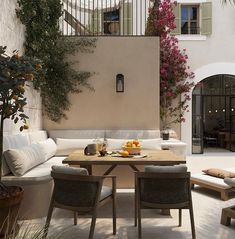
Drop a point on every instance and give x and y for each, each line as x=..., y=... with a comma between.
x=75, y=215
x=135, y=224
x=139, y=223
x=192, y=221
x=114, y=215
x=92, y=228
x=48, y=220
x=180, y=217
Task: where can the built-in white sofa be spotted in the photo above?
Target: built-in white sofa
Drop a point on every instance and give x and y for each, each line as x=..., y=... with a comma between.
x=37, y=182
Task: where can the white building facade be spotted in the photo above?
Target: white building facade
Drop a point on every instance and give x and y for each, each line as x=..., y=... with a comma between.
x=210, y=121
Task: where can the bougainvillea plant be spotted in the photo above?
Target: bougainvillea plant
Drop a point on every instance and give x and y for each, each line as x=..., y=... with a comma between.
x=174, y=71
x=15, y=70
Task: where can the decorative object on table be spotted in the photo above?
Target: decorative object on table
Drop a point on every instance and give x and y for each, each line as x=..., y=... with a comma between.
x=15, y=70
x=132, y=147
x=165, y=134
x=90, y=149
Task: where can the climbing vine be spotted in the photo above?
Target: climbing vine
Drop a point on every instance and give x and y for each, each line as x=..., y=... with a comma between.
x=44, y=41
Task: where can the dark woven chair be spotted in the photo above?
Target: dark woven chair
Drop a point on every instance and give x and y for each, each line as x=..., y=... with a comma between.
x=82, y=194
x=163, y=191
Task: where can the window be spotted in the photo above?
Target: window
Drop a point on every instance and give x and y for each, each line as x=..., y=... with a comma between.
x=193, y=19
x=190, y=19
x=111, y=22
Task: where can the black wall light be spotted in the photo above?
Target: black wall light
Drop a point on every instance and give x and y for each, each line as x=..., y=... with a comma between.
x=119, y=83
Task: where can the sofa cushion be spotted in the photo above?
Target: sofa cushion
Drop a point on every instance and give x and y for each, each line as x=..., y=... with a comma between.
x=67, y=146
x=132, y=134
x=37, y=136
x=37, y=175
x=48, y=147
x=115, y=144
x=151, y=143
x=12, y=142
x=219, y=173
x=69, y=170
x=166, y=169
x=22, y=160
x=76, y=134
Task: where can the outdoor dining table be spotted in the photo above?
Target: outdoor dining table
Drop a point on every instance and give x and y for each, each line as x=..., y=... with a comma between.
x=152, y=157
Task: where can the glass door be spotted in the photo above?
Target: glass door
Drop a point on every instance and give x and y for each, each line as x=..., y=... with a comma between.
x=197, y=127
x=232, y=124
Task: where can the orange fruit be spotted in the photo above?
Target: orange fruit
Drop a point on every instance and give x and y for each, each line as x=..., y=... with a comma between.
x=136, y=142
x=124, y=153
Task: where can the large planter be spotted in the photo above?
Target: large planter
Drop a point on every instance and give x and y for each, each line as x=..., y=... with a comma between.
x=9, y=209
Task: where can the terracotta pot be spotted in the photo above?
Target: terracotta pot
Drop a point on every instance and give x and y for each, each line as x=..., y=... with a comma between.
x=9, y=208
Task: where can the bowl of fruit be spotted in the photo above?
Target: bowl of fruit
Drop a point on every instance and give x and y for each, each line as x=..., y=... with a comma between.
x=132, y=147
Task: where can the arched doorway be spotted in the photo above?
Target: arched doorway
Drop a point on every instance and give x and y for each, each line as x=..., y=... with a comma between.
x=213, y=114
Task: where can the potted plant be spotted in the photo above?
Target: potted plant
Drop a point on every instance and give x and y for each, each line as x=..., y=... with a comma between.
x=15, y=70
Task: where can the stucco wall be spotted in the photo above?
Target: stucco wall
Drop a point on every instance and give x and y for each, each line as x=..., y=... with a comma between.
x=210, y=55
x=137, y=58
x=12, y=35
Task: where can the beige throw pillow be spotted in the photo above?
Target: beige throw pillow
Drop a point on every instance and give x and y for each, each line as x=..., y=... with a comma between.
x=219, y=173
x=22, y=160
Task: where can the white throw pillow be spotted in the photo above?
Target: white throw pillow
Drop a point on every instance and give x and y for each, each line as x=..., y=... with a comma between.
x=67, y=146
x=12, y=142
x=48, y=147
x=150, y=143
x=22, y=160
x=115, y=144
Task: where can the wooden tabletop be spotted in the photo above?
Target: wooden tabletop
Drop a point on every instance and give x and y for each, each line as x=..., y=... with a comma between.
x=156, y=157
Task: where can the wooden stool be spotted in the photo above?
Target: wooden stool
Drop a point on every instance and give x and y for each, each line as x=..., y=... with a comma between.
x=227, y=214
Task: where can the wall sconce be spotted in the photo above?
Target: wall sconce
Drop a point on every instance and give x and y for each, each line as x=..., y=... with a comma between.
x=119, y=83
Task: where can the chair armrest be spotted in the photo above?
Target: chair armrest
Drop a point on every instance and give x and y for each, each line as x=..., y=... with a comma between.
x=114, y=181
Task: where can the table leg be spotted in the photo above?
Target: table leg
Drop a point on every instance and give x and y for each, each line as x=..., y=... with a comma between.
x=134, y=168
x=109, y=170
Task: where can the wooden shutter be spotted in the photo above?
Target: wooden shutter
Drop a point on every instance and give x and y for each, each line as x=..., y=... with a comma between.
x=127, y=19
x=206, y=19
x=177, y=12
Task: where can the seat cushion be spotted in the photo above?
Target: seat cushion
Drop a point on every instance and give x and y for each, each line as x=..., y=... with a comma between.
x=69, y=170
x=37, y=175
x=105, y=192
x=209, y=180
x=166, y=169
x=230, y=182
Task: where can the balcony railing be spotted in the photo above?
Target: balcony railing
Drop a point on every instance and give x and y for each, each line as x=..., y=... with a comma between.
x=104, y=17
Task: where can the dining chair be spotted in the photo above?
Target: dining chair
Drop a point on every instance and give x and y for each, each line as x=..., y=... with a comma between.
x=163, y=187
x=79, y=192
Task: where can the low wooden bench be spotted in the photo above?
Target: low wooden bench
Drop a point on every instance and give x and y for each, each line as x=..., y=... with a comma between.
x=227, y=214
x=212, y=183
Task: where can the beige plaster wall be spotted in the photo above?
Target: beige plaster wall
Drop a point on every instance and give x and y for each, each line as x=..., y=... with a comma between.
x=12, y=35
x=137, y=108
x=137, y=58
